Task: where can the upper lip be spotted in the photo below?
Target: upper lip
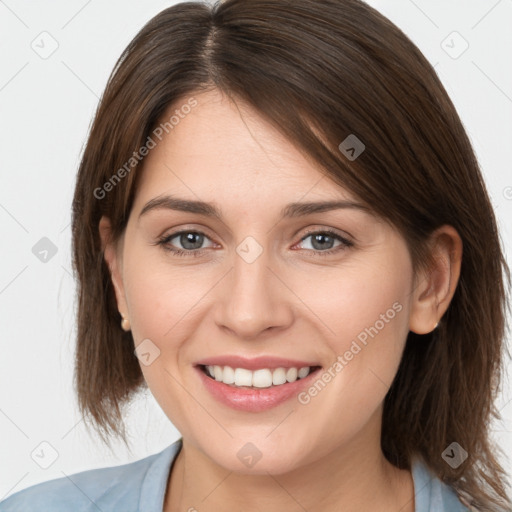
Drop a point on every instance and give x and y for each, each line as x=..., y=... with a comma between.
x=254, y=363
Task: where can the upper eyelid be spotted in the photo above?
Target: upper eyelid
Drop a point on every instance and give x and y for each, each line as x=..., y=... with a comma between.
x=309, y=232
x=320, y=225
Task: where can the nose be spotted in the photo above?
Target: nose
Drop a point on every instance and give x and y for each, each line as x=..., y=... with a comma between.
x=253, y=298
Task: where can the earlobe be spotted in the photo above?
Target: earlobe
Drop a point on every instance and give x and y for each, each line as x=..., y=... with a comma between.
x=432, y=296
x=114, y=264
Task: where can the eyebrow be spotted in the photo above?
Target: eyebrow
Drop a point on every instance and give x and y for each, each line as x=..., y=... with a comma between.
x=291, y=210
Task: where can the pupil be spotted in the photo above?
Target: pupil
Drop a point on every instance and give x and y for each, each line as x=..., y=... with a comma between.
x=189, y=238
x=318, y=237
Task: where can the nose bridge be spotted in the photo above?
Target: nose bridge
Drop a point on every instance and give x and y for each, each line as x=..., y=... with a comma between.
x=253, y=298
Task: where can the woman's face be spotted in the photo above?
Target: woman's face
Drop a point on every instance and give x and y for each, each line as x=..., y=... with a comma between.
x=258, y=290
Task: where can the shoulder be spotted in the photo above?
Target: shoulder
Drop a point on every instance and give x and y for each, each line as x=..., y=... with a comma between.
x=431, y=493
x=121, y=487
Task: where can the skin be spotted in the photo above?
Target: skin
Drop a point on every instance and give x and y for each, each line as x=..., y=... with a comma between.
x=324, y=455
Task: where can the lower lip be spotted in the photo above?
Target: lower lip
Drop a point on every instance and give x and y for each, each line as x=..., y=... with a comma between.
x=254, y=400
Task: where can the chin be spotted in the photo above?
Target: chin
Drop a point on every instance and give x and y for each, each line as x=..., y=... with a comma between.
x=257, y=457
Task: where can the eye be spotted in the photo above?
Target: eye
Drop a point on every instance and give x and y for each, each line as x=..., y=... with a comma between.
x=324, y=239
x=191, y=241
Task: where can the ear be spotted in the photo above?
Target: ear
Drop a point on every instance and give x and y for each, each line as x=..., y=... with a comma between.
x=435, y=287
x=112, y=254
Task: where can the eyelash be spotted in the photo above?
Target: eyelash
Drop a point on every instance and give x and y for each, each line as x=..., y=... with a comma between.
x=164, y=241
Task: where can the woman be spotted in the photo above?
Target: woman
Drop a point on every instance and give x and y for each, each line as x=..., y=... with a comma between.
x=279, y=210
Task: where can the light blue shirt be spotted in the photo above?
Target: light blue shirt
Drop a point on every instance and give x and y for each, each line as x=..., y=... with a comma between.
x=140, y=487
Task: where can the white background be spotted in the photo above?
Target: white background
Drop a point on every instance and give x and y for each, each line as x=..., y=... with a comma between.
x=46, y=108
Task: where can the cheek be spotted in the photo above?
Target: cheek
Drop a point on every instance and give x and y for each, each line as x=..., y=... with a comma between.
x=363, y=299
x=161, y=295
x=371, y=347
x=367, y=316
x=371, y=313
x=163, y=307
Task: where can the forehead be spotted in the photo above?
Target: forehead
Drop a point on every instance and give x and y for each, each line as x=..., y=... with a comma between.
x=220, y=150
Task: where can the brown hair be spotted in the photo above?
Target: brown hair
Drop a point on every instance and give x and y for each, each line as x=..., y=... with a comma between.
x=318, y=71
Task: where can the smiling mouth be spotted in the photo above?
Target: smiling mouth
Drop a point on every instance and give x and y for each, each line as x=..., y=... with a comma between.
x=256, y=379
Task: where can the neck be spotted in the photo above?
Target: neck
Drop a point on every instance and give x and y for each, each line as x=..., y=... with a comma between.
x=351, y=478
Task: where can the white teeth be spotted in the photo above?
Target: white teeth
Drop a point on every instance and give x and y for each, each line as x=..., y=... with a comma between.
x=263, y=378
x=279, y=376
x=303, y=372
x=228, y=375
x=217, y=372
x=243, y=377
x=291, y=374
